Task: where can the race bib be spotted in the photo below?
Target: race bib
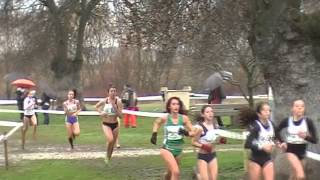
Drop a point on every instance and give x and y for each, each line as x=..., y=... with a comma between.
x=108, y=109
x=172, y=133
x=295, y=139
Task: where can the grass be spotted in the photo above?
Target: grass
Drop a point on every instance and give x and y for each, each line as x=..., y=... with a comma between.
x=131, y=168
x=91, y=132
x=143, y=167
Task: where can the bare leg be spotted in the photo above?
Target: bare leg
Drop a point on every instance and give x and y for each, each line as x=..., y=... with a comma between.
x=69, y=134
x=268, y=171
x=297, y=167
x=213, y=169
x=34, y=124
x=254, y=170
x=24, y=130
x=76, y=129
x=203, y=170
x=118, y=139
x=111, y=138
x=171, y=163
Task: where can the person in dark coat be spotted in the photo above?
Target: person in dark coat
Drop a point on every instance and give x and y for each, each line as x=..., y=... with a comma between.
x=45, y=104
x=20, y=98
x=215, y=97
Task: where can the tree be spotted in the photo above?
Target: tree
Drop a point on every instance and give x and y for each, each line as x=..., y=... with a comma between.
x=286, y=43
x=66, y=17
x=219, y=41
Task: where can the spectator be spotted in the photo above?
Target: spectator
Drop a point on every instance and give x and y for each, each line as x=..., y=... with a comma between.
x=215, y=97
x=129, y=99
x=45, y=103
x=20, y=98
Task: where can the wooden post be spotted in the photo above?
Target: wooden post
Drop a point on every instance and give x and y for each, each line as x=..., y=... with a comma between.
x=5, y=143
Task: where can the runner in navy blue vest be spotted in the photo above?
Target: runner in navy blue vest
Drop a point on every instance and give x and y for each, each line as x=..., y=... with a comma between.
x=260, y=141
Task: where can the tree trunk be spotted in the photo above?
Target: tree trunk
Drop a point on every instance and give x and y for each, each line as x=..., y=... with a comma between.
x=286, y=55
x=67, y=69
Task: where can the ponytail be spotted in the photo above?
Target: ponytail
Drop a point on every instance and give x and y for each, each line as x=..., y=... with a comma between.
x=247, y=115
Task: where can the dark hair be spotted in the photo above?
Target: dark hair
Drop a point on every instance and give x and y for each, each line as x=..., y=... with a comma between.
x=111, y=86
x=75, y=93
x=199, y=118
x=247, y=115
x=181, y=109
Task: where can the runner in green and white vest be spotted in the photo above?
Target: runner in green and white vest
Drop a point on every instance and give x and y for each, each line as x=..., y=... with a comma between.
x=176, y=126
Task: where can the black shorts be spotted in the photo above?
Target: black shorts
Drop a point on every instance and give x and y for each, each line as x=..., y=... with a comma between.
x=207, y=157
x=261, y=160
x=298, y=149
x=111, y=125
x=28, y=116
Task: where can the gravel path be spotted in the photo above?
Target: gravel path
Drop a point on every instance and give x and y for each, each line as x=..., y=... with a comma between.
x=82, y=152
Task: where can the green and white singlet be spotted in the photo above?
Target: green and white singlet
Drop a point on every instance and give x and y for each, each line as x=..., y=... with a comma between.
x=173, y=141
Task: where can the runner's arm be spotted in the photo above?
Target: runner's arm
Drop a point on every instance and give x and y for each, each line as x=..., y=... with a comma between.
x=312, y=135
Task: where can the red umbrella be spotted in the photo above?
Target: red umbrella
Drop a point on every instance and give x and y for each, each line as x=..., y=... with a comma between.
x=24, y=83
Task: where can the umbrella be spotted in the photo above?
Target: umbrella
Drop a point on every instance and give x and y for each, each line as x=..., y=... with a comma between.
x=214, y=81
x=23, y=83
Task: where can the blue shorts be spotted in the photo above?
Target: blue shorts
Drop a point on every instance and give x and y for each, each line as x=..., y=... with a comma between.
x=207, y=157
x=71, y=119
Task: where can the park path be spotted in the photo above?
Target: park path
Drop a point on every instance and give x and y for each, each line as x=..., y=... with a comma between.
x=84, y=152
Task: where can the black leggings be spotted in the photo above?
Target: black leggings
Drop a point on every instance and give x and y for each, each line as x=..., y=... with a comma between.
x=113, y=126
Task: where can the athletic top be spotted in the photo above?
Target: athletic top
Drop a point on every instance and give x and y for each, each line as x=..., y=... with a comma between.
x=293, y=127
x=171, y=132
x=259, y=135
x=207, y=136
x=72, y=106
x=265, y=135
x=108, y=108
x=28, y=105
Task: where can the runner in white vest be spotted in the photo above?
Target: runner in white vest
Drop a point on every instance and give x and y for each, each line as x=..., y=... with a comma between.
x=72, y=108
x=110, y=109
x=205, y=139
x=260, y=141
x=28, y=106
x=300, y=131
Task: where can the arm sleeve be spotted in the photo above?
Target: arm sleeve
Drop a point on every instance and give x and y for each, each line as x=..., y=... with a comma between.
x=253, y=134
x=312, y=137
x=283, y=124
